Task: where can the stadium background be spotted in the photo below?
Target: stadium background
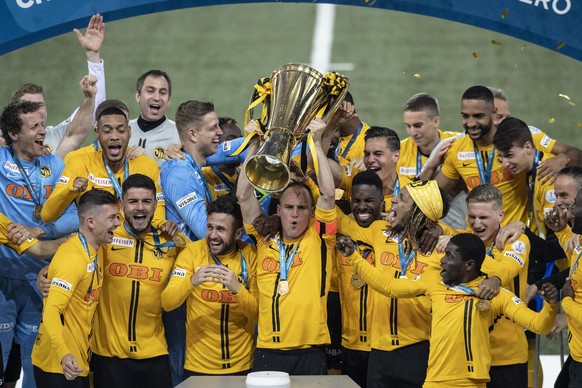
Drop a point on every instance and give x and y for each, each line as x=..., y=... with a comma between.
x=217, y=53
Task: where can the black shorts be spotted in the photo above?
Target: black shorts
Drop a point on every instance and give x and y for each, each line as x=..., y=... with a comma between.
x=334, y=324
x=400, y=368
x=189, y=373
x=514, y=376
x=575, y=371
x=113, y=372
x=13, y=365
x=355, y=365
x=58, y=380
x=311, y=361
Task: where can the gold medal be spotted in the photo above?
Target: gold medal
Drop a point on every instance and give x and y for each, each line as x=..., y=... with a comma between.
x=283, y=287
x=483, y=305
x=37, y=210
x=180, y=239
x=357, y=281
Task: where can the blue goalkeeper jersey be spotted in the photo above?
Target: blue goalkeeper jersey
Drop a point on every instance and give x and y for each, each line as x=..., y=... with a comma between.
x=18, y=204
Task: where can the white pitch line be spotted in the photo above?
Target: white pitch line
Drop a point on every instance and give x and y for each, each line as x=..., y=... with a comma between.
x=323, y=37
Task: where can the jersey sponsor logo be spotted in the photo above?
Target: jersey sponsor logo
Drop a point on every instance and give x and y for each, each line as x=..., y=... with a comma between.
x=534, y=130
x=497, y=177
x=550, y=196
x=186, y=200
x=348, y=169
x=62, y=284
x=519, y=247
x=45, y=171
x=545, y=141
x=159, y=196
x=389, y=259
x=456, y=298
x=12, y=167
x=220, y=187
x=135, y=271
x=407, y=171
x=90, y=267
x=63, y=180
x=17, y=191
x=515, y=257
x=578, y=248
x=179, y=272
x=159, y=152
x=124, y=242
x=6, y=326
x=227, y=145
x=516, y=300
x=271, y=264
x=222, y=296
x=466, y=155
x=100, y=181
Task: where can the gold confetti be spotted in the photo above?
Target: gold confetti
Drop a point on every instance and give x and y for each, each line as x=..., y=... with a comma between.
x=496, y=42
x=523, y=47
x=560, y=45
x=475, y=56
x=572, y=103
x=579, y=124
x=417, y=75
x=552, y=120
x=504, y=14
x=565, y=96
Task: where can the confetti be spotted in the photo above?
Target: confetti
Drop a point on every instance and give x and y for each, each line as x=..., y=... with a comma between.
x=504, y=14
x=552, y=120
x=560, y=45
x=475, y=56
x=496, y=42
x=523, y=47
x=565, y=96
x=579, y=124
x=417, y=75
x=572, y=103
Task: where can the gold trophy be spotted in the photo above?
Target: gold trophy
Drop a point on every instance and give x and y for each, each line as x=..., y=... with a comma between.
x=297, y=94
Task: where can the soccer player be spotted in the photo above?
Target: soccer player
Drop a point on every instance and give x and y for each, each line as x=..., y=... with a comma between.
x=28, y=177
x=216, y=276
x=61, y=350
x=352, y=132
x=153, y=130
x=71, y=133
x=106, y=169
x=294, y=271
x=459, y=341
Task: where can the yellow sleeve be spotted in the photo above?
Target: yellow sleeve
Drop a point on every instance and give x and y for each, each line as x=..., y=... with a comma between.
x=63, y=193
x=159, y=218
x=326, y=221
x=509, y=262
x=4, y=223
x=66, y=275
x=564, y=236
x=543, y=142
x=518, y=312
x=572, y=309
x=386, y=285
x=179, y=286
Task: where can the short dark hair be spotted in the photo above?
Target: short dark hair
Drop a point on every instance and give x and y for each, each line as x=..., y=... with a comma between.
x=28, y=88
x=470, y=247
x=511, y=132
x=422, y=102
x=574, y=172
x=111, y=107
x=392, y=139
x=222, y=121
x=367, y=177
x=95, y=198
x=191, y=112
x=138, y=181
x=349, y=98
x=155, y=74
x=226, y=204
x=479, y=92
x=10, y=120
x=300, y=185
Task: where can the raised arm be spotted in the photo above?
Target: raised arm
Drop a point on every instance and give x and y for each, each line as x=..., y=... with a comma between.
x=326, y=200
x=250, y=206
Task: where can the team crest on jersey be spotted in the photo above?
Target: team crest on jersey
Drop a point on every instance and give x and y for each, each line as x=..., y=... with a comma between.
x=550, y=196
x=518, y=246
x=159, y=152
x=545, y=141
x=186, y=200
x=62, y=284
x=158, y=254
x=467, y=155
x=64, y=180
x=515, y=257
x=516, y=300
x=45, y=171
x=226, y=146
x=180, y=272
x=124, y=242
x=100, y=181
x=407, y=170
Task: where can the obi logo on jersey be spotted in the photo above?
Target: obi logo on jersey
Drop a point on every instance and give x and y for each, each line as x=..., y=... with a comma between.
x=140, y=272
x=496, y=178
x=390, y=259
x=222, y=296
x=17, y=191
x=272, y=265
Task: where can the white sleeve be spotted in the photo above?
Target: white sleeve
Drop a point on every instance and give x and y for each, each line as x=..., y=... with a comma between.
x=98, y=70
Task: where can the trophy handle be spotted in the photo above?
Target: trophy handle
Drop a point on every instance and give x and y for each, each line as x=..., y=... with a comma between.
x=336, y=81
x=261, y=93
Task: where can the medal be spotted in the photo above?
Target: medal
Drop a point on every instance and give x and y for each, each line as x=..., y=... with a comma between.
x=37, y=210
x=483, y=305
x=283, y=287
x=180, y=239
x=357, y=281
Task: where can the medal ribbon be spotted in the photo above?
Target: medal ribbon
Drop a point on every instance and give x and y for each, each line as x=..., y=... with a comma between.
x=284, y=260
x=396, y=187
x=575, y=266
x=490, y=249
x=111, y=175
x=404, y=259
x=35, y=191
x=531, y=182
x=243, y=265
x=197, y=168
x=461, y=288
x=160, y=246
x=83, y=240
x=484, y=175
x=351, y=142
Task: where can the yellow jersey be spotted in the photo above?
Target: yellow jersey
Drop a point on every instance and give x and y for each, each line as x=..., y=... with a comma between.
x=4, y=223
x=219, y=182
x=352, y=147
